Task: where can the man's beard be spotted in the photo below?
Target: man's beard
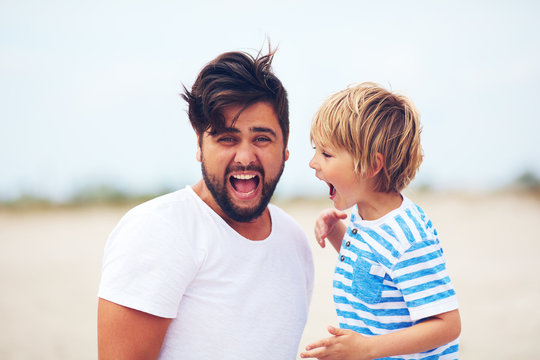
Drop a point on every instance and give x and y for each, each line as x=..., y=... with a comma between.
x=222, y=198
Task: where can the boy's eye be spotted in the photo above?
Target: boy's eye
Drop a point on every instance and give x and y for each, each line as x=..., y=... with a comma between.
x=323, y=152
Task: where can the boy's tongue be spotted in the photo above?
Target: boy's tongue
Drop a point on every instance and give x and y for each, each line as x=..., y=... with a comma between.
x=244, y=186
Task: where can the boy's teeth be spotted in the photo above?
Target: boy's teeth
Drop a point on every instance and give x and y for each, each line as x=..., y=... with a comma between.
x=243, y=177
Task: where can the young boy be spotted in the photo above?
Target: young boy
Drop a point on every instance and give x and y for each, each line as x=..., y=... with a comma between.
x=392, y=292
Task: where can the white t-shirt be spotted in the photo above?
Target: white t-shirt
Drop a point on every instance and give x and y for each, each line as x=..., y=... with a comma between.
x=229, y=297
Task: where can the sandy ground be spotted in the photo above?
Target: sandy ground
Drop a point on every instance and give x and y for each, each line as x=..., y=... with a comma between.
x=50, y=268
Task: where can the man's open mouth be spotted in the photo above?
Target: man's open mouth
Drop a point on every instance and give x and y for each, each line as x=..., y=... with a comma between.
x=245, y=184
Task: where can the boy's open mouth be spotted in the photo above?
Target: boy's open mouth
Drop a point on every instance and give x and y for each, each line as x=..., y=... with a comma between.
x=332, y=191
x=244, y=184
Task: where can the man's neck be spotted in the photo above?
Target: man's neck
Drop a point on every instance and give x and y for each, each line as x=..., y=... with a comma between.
x=257, y=229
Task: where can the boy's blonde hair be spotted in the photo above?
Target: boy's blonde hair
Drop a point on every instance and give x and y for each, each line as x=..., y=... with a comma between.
x=367, y=119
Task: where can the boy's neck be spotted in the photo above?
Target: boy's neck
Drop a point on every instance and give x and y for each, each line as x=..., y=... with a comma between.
x=378, y=204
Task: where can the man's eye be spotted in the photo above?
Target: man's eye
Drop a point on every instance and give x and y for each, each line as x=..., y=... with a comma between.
x=226, y=139
x=262, y=139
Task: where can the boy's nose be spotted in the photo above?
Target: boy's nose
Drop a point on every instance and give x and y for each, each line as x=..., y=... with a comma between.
x=313, y=164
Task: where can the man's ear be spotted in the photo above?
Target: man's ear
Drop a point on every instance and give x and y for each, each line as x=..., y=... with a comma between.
x=286, y=154
x=379, y=163
x=198, y=154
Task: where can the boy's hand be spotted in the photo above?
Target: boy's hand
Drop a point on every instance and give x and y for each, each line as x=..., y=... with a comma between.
x=425, y=335
x=325, y=225
x=345, y=344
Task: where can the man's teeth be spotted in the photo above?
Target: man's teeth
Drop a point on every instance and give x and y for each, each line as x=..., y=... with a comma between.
x=243, y=177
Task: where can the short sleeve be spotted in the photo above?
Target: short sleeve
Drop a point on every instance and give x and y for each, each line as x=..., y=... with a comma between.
x=422, y=278
x=148, y=264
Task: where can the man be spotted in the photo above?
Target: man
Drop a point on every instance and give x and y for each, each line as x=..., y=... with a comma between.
x=213, y=271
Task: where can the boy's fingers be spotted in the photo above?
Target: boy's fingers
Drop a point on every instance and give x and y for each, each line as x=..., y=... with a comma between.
x=327, y=217
x=320, y=235
x=322, y=343
x=320, y=240
x=318, y=349
x=336, y=331
x=317, y=353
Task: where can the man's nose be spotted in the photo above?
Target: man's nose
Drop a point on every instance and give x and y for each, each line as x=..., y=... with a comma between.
x=245, y=154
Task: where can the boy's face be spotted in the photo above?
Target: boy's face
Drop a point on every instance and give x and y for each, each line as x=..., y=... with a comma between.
x=336, y=167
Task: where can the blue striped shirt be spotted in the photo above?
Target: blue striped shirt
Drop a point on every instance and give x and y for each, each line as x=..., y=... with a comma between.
x=391, y=274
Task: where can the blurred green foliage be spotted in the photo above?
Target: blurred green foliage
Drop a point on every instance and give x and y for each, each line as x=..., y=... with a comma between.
x=106, y=194
x=527, y=181
x=102, y=194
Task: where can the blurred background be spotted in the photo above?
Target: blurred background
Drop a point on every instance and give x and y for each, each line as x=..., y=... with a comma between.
x=91, y=123
x=89, y=92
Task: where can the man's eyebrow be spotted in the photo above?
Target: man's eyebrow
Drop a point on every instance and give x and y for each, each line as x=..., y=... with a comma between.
x=224, y=131
x=231, y=130
x=255, y=129
x=263, y=130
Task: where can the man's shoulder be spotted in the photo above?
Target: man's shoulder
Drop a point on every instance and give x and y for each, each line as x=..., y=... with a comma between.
x=171, y=210
x=174, y=201
x=163, y=219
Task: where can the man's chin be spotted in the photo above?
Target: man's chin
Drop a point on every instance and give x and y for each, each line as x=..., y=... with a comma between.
x=244, y=213
x=243, y=207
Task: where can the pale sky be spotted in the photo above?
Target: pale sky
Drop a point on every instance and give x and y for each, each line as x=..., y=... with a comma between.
x=89, y=90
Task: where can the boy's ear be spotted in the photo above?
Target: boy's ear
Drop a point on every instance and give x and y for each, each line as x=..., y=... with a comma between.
x=379, y=163
x=286, y=154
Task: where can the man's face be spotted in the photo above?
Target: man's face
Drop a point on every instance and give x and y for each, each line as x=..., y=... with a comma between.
x=242, y=165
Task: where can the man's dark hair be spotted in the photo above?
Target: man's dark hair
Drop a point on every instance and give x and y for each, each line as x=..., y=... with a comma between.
x=235, y=78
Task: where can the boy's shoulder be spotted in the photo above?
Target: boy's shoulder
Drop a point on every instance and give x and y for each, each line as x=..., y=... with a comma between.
x=397, y=231
x=407, y=211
